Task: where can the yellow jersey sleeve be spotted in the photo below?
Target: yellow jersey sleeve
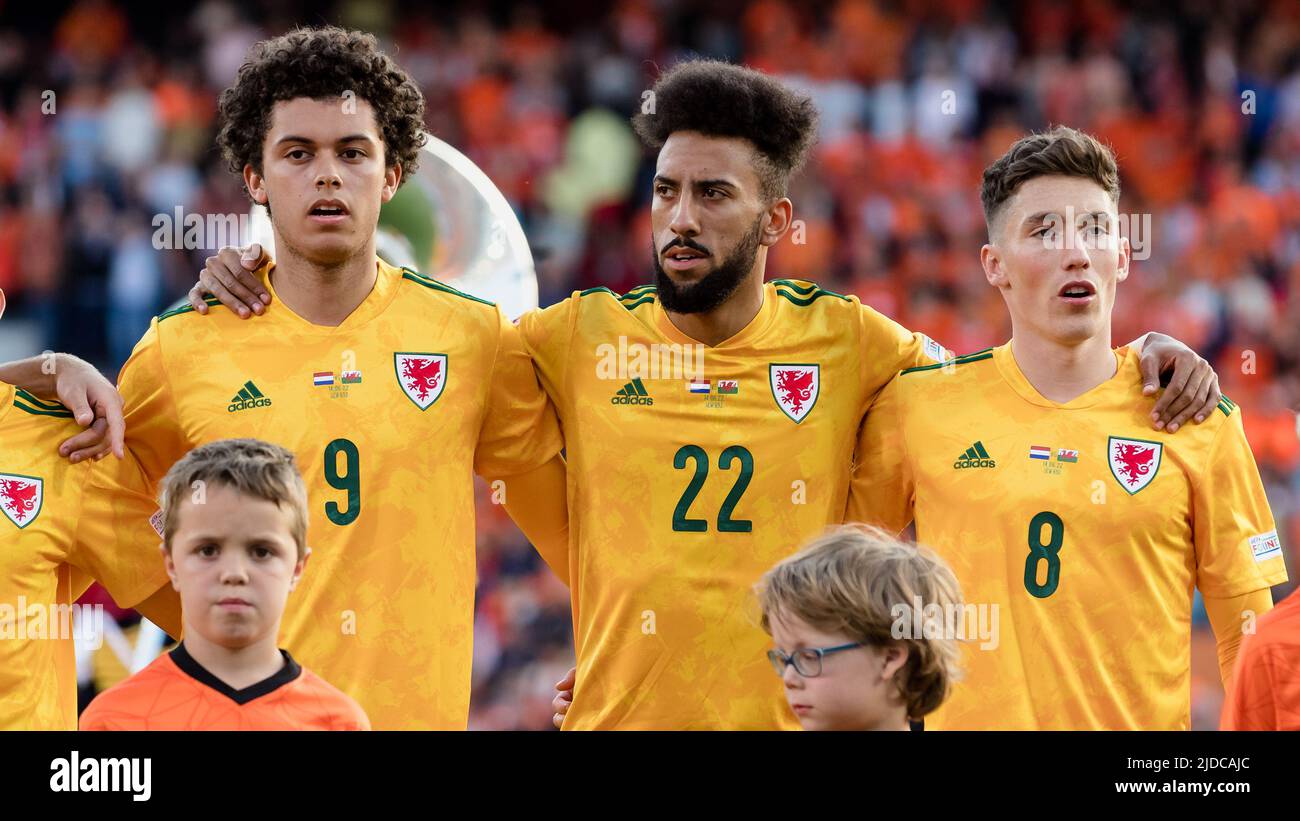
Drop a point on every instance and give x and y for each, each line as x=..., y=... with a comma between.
x=115, y=539
x=547, y=335
x=888, y=347
x=1236, y=539
x=882, y=488
x=153, y=425
x=519, y=432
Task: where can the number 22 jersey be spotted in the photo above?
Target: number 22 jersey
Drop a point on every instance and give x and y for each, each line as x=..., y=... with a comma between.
x=692, y=470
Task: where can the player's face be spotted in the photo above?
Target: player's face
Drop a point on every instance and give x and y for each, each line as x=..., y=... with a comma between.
x=233, y=561
x=855, y=690
x=1057, y=257
x=324, y=175
x=708, y=220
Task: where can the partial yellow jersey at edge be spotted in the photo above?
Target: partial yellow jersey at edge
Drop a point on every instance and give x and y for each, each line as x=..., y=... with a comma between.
x=59, y=528
x=1082, y=529
x=389, y=415
x=692, y=470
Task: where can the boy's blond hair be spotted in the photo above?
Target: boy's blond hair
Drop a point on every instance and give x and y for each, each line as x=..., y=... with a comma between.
x=251, y=467
x=850, y=580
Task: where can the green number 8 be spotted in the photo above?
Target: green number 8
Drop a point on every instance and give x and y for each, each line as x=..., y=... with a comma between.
x=1039, y=551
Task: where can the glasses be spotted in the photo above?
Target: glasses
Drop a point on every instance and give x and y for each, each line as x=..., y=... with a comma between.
x=807, y=661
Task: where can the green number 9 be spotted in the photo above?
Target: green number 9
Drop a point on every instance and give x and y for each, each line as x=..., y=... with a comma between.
x=349, y=480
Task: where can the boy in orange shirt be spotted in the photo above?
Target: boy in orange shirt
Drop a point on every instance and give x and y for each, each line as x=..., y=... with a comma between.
x=234, y=542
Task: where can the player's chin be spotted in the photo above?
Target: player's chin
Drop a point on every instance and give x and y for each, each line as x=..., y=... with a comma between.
x=1073, y=326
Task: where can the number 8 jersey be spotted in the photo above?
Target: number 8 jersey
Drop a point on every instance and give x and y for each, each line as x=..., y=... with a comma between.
x=1075, y=530
x=692, y=470
x=389, y=414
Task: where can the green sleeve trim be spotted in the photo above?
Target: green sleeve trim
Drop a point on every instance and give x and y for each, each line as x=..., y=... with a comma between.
x=435, y=285
x=211, y=301
x=978, y=356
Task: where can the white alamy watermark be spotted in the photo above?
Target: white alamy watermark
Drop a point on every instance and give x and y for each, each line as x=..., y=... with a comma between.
x=1099, y=230
x=77, y=774
x=198, y=232
x=959, y=622
x=22, y=621
x=636, y=360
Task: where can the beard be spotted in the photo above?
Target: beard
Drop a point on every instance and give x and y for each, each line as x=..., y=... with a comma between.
x=717, y=285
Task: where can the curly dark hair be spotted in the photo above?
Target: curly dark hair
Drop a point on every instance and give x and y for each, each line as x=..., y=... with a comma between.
x=723, y=100
x=320, y=63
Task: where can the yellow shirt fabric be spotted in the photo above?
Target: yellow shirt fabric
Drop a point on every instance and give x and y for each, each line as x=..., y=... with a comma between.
x=61, y=526
x=1084, y=528
x=389, y=415
x=682, y=494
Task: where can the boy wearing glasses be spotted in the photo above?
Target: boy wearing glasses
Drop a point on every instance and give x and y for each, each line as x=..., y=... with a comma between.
x=839, y=614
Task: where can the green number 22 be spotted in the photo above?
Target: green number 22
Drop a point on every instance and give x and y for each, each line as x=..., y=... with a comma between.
x=726, y=524
x=349, y=480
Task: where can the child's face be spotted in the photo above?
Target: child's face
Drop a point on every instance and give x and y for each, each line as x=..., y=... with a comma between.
x=233, y=561
x=855, y=690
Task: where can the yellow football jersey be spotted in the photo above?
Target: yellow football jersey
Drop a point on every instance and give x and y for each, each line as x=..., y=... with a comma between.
x=59, y=527
x=692, y=470
x=1073, y=527
x=389, y=414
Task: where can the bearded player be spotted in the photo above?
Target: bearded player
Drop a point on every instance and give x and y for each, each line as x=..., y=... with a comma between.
x=687, y=483
x=1032, y=471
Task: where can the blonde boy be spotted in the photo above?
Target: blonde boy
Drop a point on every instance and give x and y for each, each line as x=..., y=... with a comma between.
x=832, y=611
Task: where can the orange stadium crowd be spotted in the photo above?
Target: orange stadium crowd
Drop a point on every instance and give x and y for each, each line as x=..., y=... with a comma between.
x=107, y=112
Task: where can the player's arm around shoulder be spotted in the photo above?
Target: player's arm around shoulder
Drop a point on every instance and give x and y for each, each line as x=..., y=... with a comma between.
x=888, y=348
x=882, y=487
x=548, y=335
x=1191, y=387
x=519, y=451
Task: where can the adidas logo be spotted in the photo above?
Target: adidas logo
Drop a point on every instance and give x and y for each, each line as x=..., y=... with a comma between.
x=633, y=393
x=975, y=457
x=249, y=397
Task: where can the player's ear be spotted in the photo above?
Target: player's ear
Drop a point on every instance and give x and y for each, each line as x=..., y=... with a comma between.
x=893, y=657
x=298, y=568
x=2, y=302
x=994, y=271
x=255, y=184
x=1125, y=257
x=777, y=219
x=392, y=178
x=170, y=565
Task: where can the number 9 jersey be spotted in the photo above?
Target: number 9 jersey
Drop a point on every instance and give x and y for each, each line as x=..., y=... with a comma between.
x=1076, y=531
x=389, y=414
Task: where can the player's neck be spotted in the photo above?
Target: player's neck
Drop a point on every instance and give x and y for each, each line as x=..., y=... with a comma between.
x=239, y=668
x=729, y=318
x=1063, y=371
x=323, y=295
